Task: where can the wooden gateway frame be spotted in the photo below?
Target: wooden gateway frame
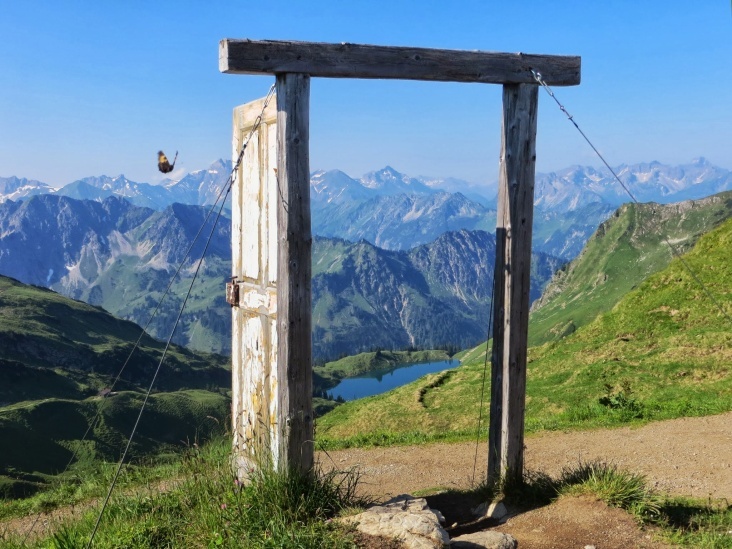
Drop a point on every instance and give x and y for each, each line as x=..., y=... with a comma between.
x=271, y=236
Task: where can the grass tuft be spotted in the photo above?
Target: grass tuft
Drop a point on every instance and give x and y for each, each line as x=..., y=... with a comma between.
x=207, y=506
x=683, y=521
x=613, y=486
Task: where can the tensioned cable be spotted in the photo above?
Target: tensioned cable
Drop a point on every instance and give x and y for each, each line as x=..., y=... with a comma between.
x=489, y=335
x=226, y=187
x=674, y=251
x=155, y=375
x=255, y=127
x=136, y=345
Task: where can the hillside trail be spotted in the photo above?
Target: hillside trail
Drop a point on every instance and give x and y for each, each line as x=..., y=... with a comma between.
x=680, y=457
x=684, y=457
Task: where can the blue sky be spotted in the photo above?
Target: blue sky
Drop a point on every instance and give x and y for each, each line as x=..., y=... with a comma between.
x=91, y=88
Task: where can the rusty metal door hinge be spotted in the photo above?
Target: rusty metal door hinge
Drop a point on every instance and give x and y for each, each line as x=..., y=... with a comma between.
x=232, y=292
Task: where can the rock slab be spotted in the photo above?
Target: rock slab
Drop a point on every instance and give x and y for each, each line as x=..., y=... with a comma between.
x=484, y=540
x=407, y=519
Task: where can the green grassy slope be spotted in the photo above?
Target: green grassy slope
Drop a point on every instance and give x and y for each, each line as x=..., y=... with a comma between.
x=57, y=354
x=131, y=289
x=55, y=346
x=663, y=351
x=622, y=253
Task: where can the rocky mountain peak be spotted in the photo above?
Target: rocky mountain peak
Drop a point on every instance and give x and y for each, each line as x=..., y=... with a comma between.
x=389, y=181
x=15, y=188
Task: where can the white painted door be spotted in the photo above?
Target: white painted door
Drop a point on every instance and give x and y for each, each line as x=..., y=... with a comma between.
x=254, y=264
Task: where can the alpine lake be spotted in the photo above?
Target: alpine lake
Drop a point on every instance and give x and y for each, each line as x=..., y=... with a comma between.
x=381, y=381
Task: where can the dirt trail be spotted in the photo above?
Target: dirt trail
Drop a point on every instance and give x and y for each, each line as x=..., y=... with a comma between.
x=687, y=456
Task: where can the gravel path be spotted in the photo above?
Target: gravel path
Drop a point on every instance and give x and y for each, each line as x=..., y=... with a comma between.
x=688, y=456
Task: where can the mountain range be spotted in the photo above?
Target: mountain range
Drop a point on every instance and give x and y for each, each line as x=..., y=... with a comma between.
x=115, y=243
x=437, y=295
x=398, y=212
x=562, y=191
x=122, y=257
x=570, y=189
x=199, y=187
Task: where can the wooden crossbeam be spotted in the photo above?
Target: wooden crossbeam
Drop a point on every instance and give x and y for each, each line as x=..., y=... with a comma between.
x=393, y=62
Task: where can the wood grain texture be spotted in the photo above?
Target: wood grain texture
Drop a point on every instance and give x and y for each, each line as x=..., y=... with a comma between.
x=512, y=272
x=254, y=362
x=392, y=62
x=294, y=321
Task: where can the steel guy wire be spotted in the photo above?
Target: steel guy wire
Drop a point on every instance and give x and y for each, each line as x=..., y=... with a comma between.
x=157, y=371
x=489, y=336
x=227, y=188
x=135, y=346
x=129, y=356
x=674, y=251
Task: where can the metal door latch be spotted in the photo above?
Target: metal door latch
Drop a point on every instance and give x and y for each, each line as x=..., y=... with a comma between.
x=232, y=292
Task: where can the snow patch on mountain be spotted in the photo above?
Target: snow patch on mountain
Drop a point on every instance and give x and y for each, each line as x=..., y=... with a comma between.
x=14, y=188
x=389, y=181
x=577, y=186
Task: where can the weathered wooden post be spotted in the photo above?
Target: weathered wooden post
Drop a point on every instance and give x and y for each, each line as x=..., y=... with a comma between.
x=294, y=318
x=511, y=283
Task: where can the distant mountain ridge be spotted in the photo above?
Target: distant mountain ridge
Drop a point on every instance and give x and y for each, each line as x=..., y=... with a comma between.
x=432, y=296
x=14, y=188
x=108, y=252
x=625, y=250
x=576, y=186
x=562, y=190
x=396, y=211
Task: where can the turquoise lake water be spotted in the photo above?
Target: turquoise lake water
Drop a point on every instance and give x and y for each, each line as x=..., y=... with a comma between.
x=385, y=380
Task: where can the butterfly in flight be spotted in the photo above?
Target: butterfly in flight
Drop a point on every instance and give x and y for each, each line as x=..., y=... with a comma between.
x=163, y=164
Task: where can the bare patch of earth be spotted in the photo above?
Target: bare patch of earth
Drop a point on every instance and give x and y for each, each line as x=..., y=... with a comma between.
x=35, y=526
x=579, y=522
x=685, y=457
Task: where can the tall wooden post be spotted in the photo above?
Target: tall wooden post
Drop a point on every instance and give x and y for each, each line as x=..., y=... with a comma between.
x=511, y=285
x=294, y=321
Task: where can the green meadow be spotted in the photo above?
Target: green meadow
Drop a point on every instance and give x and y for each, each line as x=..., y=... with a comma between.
x=663, y=351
